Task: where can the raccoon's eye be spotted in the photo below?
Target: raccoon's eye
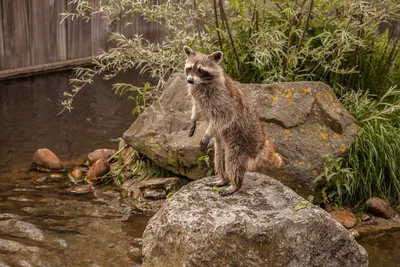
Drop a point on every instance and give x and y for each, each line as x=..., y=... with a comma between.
x=200, y=71
x=189, y=69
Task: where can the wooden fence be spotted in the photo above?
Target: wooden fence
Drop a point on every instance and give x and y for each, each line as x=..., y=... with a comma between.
x=32, y=39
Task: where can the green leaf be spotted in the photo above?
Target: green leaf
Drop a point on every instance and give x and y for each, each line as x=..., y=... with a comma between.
x=235, y=5
x=302, y=205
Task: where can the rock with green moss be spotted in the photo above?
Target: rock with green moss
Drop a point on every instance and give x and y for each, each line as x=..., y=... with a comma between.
x=305, y=121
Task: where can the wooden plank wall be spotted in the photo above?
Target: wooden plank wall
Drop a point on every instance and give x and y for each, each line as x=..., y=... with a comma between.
x=31, y=34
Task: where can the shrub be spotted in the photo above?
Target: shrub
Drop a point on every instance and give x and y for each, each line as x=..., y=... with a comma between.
x=335, y=41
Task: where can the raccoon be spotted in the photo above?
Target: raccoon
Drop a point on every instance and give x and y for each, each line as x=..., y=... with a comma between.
x=240, y=143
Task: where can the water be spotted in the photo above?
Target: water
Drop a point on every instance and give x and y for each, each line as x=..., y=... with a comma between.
x=45, y=225
x=383, y=249
x=28, y=120
x=42, y=224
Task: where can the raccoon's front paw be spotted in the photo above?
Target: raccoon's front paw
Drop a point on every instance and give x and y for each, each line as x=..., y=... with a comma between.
x=192, y=128
x=204, y=143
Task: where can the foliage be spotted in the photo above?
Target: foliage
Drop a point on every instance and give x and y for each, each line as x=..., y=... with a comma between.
x=207, y=159
x=143, y=168
x=371, y=167
x=138, y=166
x=335, y=41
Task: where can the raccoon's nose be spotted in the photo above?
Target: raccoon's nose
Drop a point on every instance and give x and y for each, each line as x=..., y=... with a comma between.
x=190, y=80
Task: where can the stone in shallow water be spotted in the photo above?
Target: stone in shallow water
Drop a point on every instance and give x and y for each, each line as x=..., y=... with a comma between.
x=81, y=189
x=256, y=226
x=100, y=153
x=379, y=207
x=345, y=217
x=97, y=170
x=45, y=160
x=157, y=193
x=76, y=176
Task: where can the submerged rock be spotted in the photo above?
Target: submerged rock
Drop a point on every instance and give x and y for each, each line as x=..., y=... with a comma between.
x=45, y=160
x=305, y=120
x=97, y=170
x=345, y=217
x=80, y=189
x=257, y=226
x=100, y=153
x=379, y=207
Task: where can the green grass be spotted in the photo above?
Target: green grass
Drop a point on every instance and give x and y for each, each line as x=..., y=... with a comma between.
x=372, y=165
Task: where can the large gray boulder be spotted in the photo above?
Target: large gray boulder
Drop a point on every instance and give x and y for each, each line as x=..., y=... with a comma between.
x=304, y=119
x=263, y=224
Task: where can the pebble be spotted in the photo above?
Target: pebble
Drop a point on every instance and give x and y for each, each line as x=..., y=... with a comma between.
x=158, y=193
x=97, y=170
x=345, y=217
x=76, y=176
x=379, y=207
x=100, y=153
x=45, y=160
x=80, y=189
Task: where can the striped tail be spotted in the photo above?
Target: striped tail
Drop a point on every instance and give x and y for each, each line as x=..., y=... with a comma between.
x=266, y=158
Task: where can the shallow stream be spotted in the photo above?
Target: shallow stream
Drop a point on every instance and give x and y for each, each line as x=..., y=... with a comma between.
x=41, y=223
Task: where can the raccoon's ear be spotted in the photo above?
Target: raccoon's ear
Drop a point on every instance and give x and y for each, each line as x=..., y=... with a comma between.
x=188, y=51
x=216, y=56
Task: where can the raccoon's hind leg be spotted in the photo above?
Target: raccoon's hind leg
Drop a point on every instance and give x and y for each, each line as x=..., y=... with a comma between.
x=235, y=170
x=219, y=164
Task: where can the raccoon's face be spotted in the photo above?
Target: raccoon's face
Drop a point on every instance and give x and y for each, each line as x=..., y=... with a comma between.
x=201, y=68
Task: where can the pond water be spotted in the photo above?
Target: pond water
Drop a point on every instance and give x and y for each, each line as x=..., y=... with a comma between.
x=383, y=249
x=41, y=223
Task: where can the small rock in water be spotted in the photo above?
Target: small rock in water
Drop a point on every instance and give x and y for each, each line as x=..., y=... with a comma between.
x=76, y=176
x=365, y=217
x=158, y=193
x=345, y=217
x=100, y=153
x=80, y=189
x=97, y=170
x=41, y=180
x=379, y=207
x=45, y=160
x=54, y=177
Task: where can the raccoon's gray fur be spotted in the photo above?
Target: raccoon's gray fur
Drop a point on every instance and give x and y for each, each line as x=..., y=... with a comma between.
x=239, y=140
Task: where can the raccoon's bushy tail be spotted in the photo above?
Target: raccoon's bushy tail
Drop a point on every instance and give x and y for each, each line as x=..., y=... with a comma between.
x=267, y=157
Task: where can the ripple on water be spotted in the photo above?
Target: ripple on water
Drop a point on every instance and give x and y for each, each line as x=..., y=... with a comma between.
x=52, y=227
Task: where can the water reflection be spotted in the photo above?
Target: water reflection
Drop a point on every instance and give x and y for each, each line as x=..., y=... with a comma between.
x=28, y=120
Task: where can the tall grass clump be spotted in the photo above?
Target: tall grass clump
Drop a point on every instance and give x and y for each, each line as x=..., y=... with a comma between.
x=372, y=165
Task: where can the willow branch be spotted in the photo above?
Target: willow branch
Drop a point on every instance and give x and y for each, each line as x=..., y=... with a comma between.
x=217, y=25
x=223, y=16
